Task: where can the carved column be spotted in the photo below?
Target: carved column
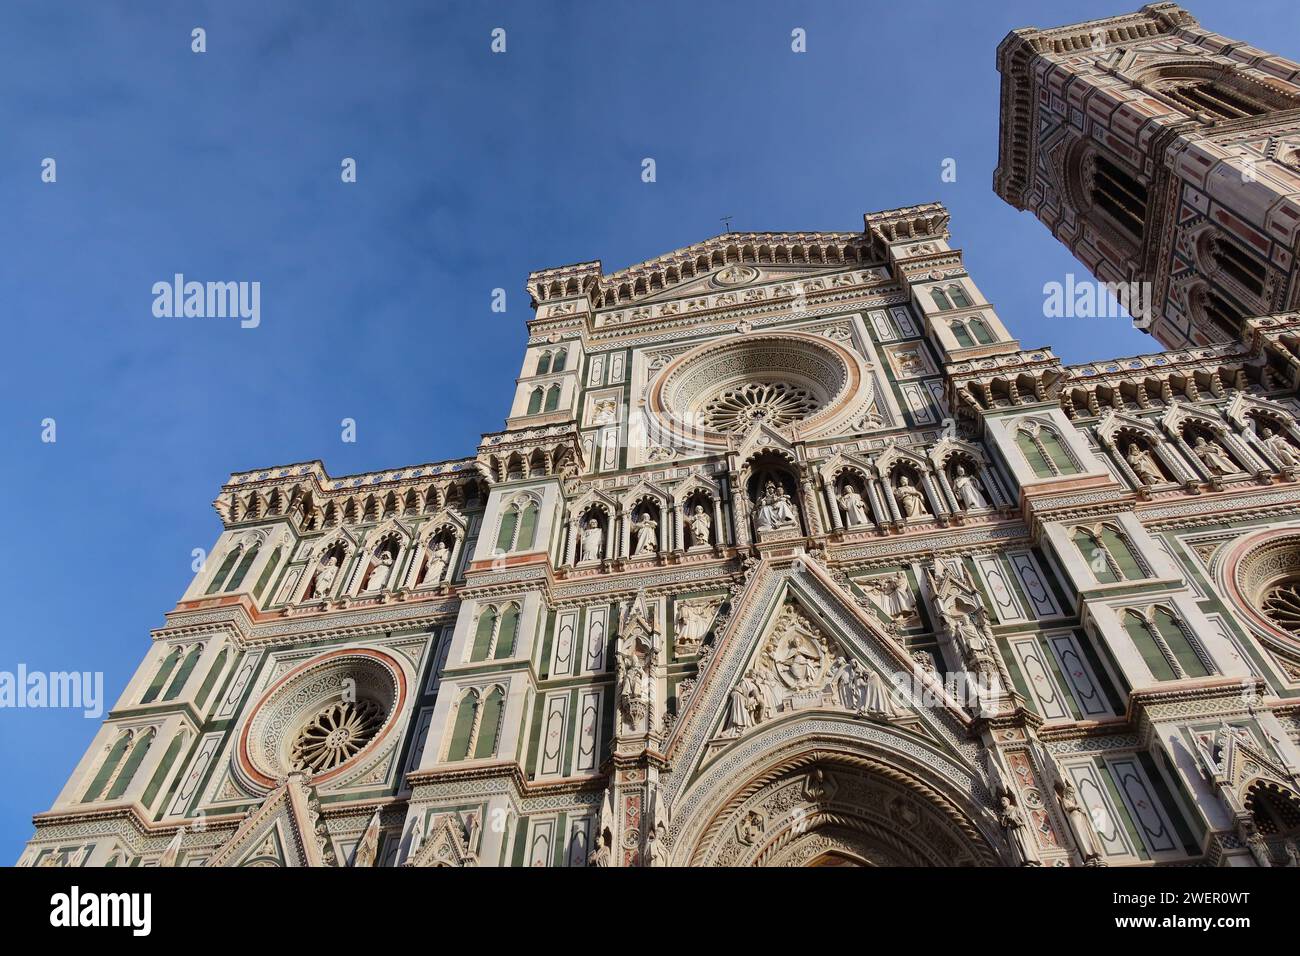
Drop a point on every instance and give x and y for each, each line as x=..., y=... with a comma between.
x=940, y=507
x=416, y=553
x=946, y=488
x=625, y=515
x=571, y=549
x=719, y=525
x=813, y=513
x=877, y=506
x=832, y=506
x=887, y=488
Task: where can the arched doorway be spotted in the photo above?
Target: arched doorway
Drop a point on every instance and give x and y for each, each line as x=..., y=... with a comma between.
x=812, y=800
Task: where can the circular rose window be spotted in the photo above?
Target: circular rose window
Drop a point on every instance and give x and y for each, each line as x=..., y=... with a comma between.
x=1263, y=575
x=786, y=379
x=322, y=716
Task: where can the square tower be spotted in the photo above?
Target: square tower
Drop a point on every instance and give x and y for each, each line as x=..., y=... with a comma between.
x=1161, y=154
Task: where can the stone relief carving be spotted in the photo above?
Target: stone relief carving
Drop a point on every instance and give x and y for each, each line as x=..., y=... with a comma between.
x=798, y=667
x=892, y=594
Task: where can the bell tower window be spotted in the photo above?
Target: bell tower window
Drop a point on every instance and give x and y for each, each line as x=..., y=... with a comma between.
x=1120, y=194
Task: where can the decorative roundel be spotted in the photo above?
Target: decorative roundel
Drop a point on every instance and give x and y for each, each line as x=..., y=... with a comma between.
x=776, y=403
x=322, y=716
x=1263, y=578
x=727, y=386
x=735, y=275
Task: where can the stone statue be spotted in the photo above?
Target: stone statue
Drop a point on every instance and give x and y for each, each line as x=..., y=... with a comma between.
x=855, y=511
x=631, y=679
x=1080, y=824
x=699, y=523
x=1258, y=847
x=1281, y=448
x=592, y=539
x=873, y=696
x=325, y=577
x=600, y=855
x=968, y=491
x=437, y=566
x=1292, y=854
x=775, y=509
x=646, y=542
x=655, y=853
x=769, y=694
x=1012, y=820
x=910, y=498
x=1212, y=456
x=894, y=597
x=379, y=576
x=742, y=703
x=1143, y=465
x=842, y=682
x=692, y=623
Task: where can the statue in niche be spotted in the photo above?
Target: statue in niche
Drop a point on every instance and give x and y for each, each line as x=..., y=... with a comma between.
x=325, y=577
x=775, y=509
x=973, y=634
x=855, y=509
x=967, y=489
x=379, y=576
x=910, y=498
x=699, y=524
x=1144, y=465
x=646, y=542
x=633, y=682
x=1077, y=819
x=894, y=597
x=1014, y=825
x=963, y=617
x=1212, y=456
x=437, y=566
x=1281, y=448
x=592, y=539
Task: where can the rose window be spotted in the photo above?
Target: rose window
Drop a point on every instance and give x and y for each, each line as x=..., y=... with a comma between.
x=1281, y=605
x=328, y=714
x=336, y=734
x=781, y=379
x=776, y=403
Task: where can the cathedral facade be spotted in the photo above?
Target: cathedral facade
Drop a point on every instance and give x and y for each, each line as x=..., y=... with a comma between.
x=789, y=554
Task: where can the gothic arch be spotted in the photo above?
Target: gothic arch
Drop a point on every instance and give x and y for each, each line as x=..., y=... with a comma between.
x=852, y=786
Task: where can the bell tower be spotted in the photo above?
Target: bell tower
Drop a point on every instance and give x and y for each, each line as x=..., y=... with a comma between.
x=1167, y=158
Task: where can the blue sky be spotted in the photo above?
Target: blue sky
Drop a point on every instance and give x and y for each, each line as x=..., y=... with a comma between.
x=473, y=169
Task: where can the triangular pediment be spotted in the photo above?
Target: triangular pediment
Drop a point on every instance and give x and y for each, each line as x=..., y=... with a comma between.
x=452, y=842
x=285, y=830
x=796, y=643
x=761, y=438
